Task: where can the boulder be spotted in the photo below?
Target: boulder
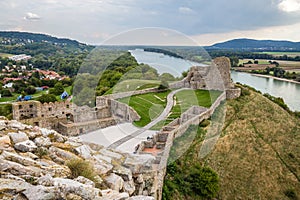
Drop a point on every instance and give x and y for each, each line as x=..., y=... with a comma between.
x=84, y=151
x=13, y=186
x=113, y=195
x=18, y=137
x=111, y=154
x=124, y=172
x=141, y=198
x=19, y=159
x=5, y=143
x=101, y=157
x=34, y=134
x=13, y=124
x=46, y=180
x=67, y=186
x=18, y=169
x=85, y=181
x=129, y=187
x=114, y=182
x=42, y=142
x=26, y=146
x=138, y=163
x=66, y=155
x=39, y=193
x=2, y=125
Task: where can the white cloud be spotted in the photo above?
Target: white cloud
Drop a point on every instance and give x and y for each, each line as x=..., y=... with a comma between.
x=185, y=10
x=31, y=16
x=289, y=5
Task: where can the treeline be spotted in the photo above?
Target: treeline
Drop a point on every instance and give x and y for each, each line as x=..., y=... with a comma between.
x=163, y=51
x=104, y=69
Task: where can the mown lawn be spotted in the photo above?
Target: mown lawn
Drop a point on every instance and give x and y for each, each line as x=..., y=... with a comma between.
x=148, y=106
x=188, y=98
x=132, y=85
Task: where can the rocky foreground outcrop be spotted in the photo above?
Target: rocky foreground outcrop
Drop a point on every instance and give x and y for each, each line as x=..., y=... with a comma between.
x=33, y=166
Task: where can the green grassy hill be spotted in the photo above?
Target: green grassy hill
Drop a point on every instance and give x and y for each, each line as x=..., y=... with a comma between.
x=257, y=155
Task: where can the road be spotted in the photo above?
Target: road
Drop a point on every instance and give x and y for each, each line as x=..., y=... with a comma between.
x=162, y=116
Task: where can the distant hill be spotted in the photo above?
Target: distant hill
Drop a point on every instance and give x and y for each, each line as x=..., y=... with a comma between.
x=258, y=45
x=35, y=43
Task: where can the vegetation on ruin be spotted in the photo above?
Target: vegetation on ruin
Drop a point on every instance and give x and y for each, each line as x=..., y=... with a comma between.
x=81, y=167
x=188, y=177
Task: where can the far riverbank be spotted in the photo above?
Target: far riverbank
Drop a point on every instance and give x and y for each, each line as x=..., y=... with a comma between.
x=277, y=78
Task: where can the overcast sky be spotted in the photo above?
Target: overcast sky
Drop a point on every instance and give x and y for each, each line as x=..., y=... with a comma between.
x=205, y=21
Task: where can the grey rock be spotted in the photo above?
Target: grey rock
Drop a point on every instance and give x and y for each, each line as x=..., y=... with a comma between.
x=138, y=163
x=26, y=146
x=67, y=186
x=85, y=181
x=101, y=157
x=46, y=180
x=2, y=125
x=34, y=134
x=129, y=187
x=84, y=151
x=5, y=143
x=14, y=186
x=18, y=137
x=111, y=154
x=13, y=124
x=141, y=198
x=19, y=159
x=66, y=155
x=113, y=195
x=124, y=172
x=43, y=142
x=114, y=182
x=18, y=169
x=39, y=193
x=101, y=166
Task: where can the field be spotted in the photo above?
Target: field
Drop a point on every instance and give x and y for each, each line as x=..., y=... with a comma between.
x=131, y=85
x=262, y=64
x=148, y=106
x=3, y=55
x=290, y=54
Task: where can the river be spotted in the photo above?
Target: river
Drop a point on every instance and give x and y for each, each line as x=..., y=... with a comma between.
x=290, y=92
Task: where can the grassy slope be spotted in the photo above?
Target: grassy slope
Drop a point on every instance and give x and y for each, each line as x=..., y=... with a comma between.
x=258, y=155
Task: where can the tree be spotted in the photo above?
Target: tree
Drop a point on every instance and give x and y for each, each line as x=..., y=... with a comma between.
x=30, y=90
x=203, y=181
x=6, y=93
x=163, y=85
x=58, y=89
x=46, y=98
x=167, y=77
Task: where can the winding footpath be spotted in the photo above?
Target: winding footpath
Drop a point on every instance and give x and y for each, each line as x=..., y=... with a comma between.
x=162, y=116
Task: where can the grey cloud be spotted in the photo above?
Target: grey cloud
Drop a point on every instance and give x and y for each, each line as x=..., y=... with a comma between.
x=32, y=16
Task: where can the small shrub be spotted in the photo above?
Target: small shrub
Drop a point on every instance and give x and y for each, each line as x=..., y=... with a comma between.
x=81, y=167
x=41, y=152
x=291, y=194
x=204, y=123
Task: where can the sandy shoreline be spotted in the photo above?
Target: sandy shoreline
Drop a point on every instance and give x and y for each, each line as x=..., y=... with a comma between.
x=280, y=79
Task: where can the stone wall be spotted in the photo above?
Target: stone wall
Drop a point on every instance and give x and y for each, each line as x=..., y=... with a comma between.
x=233, y=93
x=75, y=129
x=123, y=112
x=164, y=139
